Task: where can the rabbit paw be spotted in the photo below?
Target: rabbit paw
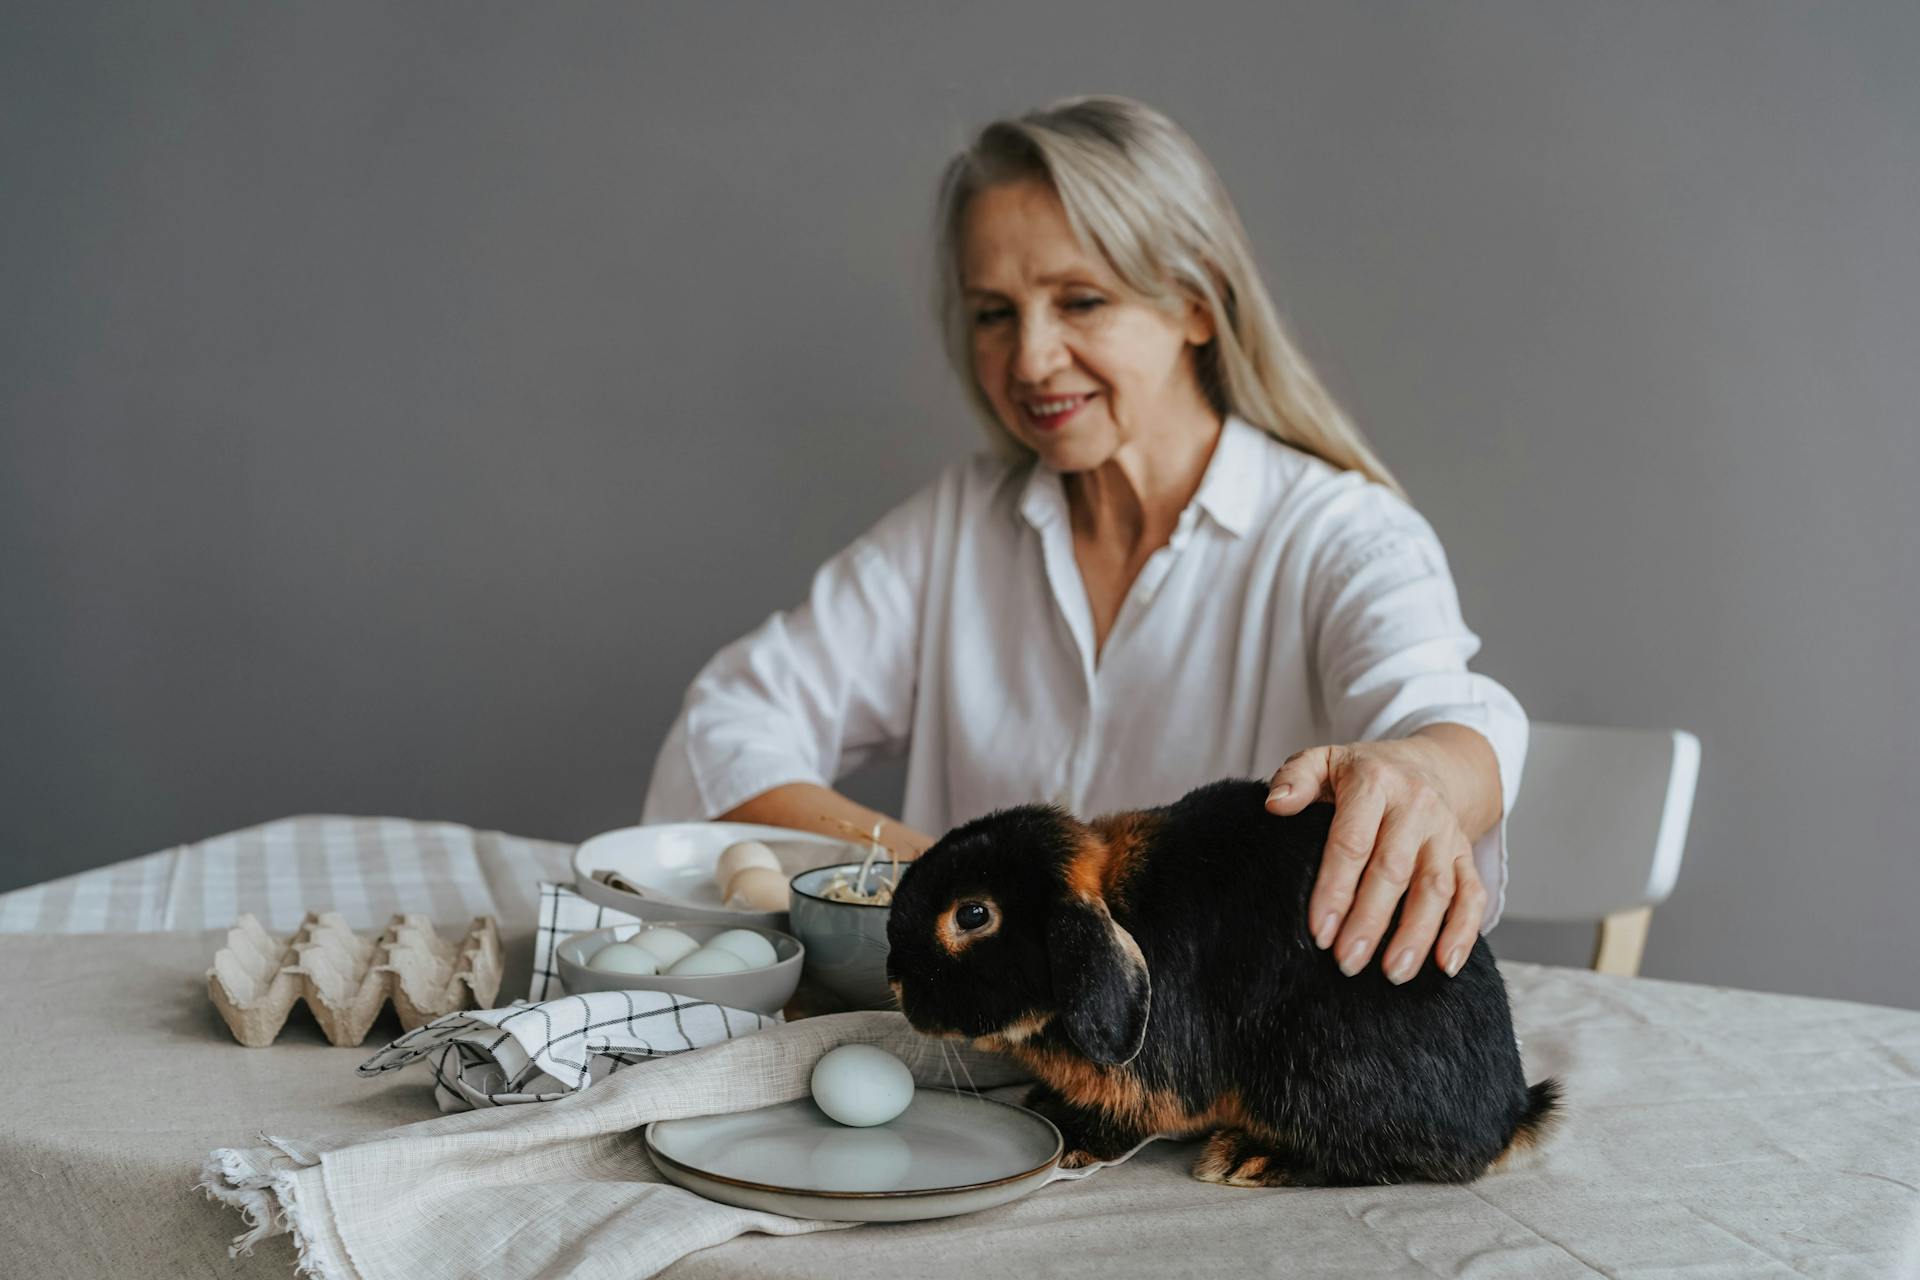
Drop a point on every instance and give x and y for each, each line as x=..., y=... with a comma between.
x=1087, y=1137
x=1235, y=1158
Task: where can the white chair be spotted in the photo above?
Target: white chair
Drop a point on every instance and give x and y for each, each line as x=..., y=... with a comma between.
x=1598, y=831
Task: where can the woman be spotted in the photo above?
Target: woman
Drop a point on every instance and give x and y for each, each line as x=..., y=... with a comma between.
x=1181, y=563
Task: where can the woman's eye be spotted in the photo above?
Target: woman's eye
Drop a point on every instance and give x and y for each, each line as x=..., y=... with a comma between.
x=997, y=314
x=971, y=915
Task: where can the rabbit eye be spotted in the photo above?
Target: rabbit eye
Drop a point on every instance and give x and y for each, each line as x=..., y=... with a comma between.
x=966, y=922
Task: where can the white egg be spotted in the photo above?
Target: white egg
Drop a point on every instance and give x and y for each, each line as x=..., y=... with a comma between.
x=860, y=1085
x=624, y=957
x=748, y=945
x=707, y=960
x=738, y=857
x=758, y=889
x=666, y=945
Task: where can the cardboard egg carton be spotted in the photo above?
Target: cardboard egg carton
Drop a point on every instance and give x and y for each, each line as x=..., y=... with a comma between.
x=346, y=978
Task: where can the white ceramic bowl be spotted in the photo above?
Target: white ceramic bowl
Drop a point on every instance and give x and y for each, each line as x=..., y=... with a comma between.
x=673, y=862
x=764, y=990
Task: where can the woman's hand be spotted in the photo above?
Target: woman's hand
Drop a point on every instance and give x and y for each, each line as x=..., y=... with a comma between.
x=1396, y=832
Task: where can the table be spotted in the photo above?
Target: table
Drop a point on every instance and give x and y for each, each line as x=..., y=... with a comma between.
x=1710, y=1131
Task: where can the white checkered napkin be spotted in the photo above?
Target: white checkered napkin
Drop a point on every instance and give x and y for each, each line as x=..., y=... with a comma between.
x=539, y=1052
x=563, y=913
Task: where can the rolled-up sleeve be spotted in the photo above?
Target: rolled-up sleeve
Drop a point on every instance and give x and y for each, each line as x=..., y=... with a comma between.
x=1391, y=650
x=809, y=694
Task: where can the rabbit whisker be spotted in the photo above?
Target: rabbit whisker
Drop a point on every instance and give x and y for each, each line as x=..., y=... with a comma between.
x=947, y=1059
x=960, y=1057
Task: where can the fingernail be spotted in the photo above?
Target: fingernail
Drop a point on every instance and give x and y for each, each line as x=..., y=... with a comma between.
x=1323, y=936
x=1456, y=958
x=1402, y=967
x=1351, y=958
x=1280, y=792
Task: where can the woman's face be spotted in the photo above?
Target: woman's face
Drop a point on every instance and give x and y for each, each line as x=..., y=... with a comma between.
x=1053, y=324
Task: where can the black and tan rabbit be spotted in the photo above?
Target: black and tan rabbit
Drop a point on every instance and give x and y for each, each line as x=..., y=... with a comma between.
x=1155, y=972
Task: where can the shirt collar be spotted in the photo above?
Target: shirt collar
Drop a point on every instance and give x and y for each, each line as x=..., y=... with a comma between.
x=1229, y=492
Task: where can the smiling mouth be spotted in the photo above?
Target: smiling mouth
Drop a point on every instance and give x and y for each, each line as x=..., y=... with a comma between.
x=1064, y=408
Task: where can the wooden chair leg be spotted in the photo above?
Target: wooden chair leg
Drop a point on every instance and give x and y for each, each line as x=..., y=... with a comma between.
x=1623, y=936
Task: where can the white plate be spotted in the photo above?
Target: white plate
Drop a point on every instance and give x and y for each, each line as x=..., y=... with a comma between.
x=947, y=1153
x=673, y=862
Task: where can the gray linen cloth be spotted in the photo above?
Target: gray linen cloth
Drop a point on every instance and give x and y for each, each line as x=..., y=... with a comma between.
x=564, y=1187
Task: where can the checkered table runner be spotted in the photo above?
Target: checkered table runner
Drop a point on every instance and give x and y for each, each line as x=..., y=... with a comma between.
x=367, y=869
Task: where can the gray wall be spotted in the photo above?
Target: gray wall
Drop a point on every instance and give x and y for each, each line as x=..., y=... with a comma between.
x=400, y=403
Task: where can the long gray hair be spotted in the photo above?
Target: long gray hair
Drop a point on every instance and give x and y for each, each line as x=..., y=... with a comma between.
x=1138, y=191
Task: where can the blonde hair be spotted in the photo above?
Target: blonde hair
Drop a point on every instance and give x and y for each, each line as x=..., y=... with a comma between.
x=1137, y=190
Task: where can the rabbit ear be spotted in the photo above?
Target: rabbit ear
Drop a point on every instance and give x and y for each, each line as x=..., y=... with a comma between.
x=1100, y=982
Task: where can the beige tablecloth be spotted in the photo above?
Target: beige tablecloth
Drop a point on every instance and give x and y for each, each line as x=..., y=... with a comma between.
x=1709, y=1133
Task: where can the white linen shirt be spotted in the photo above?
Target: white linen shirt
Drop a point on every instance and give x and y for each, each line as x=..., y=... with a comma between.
x=1296, y=605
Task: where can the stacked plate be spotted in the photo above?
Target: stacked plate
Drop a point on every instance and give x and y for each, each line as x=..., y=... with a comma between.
x=948, y=1153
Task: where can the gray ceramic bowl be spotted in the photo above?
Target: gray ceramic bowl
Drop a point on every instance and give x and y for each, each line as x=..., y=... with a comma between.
x=846, y=941
x=761, y=990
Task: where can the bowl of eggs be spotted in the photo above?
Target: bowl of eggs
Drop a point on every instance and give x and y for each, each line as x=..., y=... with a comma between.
x=742, y=967
x=720, y=872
